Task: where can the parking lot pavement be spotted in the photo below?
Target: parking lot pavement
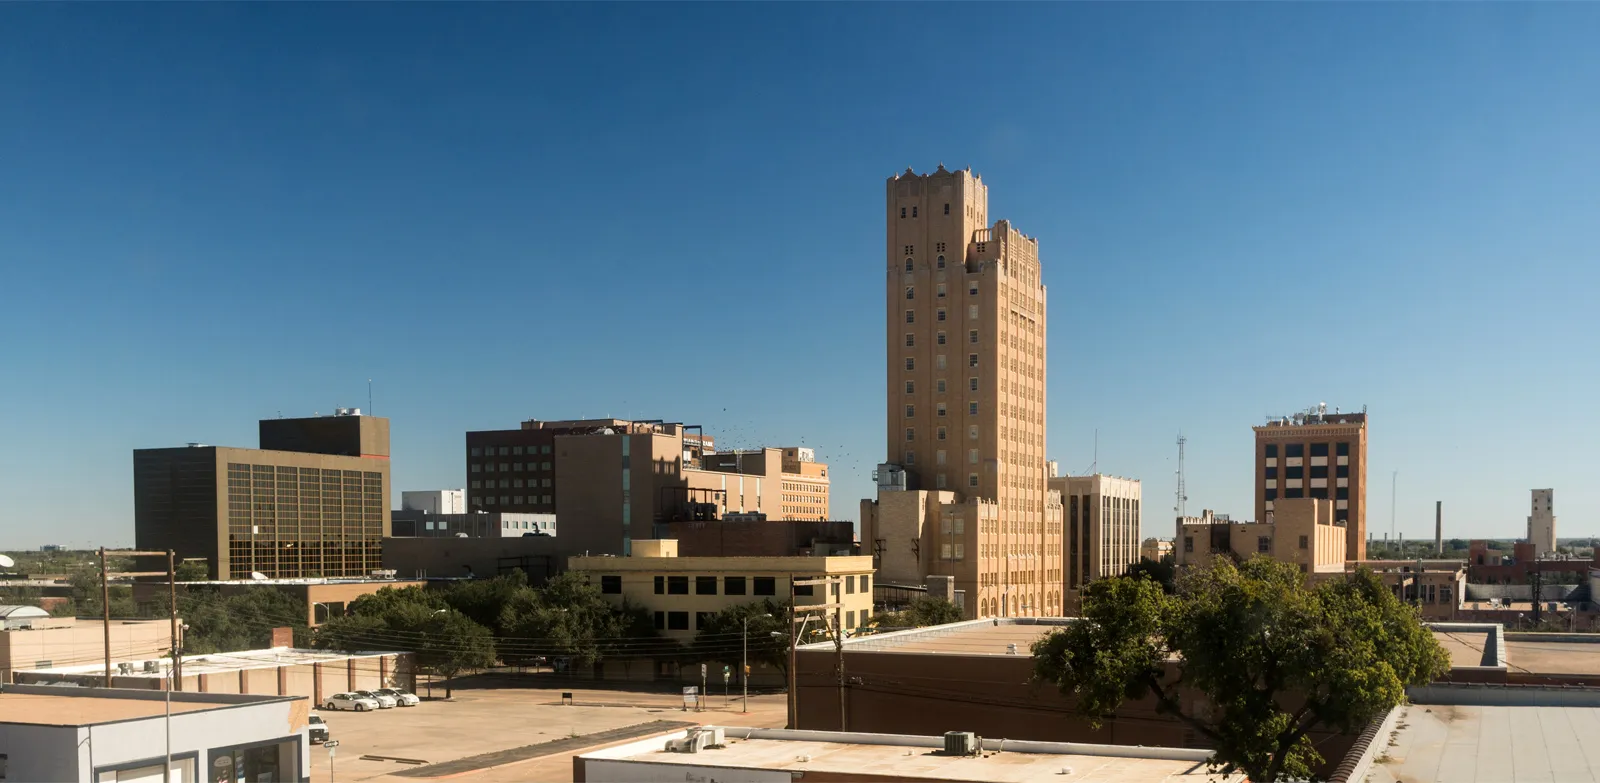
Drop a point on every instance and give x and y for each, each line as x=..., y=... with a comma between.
x=496, y=722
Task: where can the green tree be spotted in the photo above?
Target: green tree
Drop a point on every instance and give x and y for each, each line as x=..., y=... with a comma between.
x=483, y=600
x=924, y=610
x=242, y=621
x=192, y=570
x=445, y=641
x=722, y=636
x=1163, y=572
x=568, y=618
x=1273, y=658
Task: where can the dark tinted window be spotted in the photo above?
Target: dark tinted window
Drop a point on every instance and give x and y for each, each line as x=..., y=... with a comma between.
x=1341, y=471
x=1272, y=449
x=677, y=621
x=1343, y=449
x=611, y=583
x=1272, y=473
x=661, y=585
x=765, y=585
x=1319, y=492
x=678, y=585
x=733, y=585
x=1294, y=492
x=1319, y=471
x=661, y=621
x=1319, y=449
x=1295, y=450
x=705, y=585
x=1271, y=494
x=1342, y=493
x=1294, y=472
x=805, y=590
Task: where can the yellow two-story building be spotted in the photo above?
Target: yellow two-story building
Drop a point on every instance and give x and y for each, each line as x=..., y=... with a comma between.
x=682, y=592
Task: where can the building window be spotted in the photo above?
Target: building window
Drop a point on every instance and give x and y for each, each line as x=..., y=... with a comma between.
x=850, y=586
x=972, y=479
x=972, y=384
x=972, y=336
x=1294, y=450
x=1319, y=492
x=1270, y=494
x=960, y=551
x=911, y=458
x=677, y=585
x=661, y=585
x=911, y=316
x=1305, y=542
x=939, y=481
x=939, y=409
x=911, y=387
x=911, y=433
x=800, y=590
x=911, y=340
x=1272, y=472
x=944, y=551
x=911, y=411
x=476, y=484
x=913, y=211
x=1341, y=493
x=1319, y=449
x=764, y=585
x=661, y=621
x=940, y=315
x=941, y=262
x=866, y=582
x=938, y=362
x=1263, y=543
x=972, y=432
x=677, y=621
x=1188, y=543
x=939, y=338
x=1294, y=472
x=1272, y=451
x=972, y=360
x=611, y=584
x=1341, y=471
x=911, y=364
x=1319, y=471
x=972, y=311
x=972, y=409
x=902, y=212
x=476, y=467
x=972, y=456
x=911, y=292
x=1342, y=449
x=940, y=433
x=939, y=385
x=705, y=585
x=733, y=585
x=1294, y=492
x=908, y=265
x=946, y=211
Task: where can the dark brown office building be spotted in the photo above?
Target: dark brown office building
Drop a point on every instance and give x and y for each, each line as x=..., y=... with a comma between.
x=1316, y=454
x=514, y=470
x=312, y=502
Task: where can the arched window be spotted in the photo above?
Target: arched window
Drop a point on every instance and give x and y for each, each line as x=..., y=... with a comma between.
x=908, y=265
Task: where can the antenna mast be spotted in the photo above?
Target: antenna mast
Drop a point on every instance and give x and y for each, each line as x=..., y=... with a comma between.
x=1183, y=496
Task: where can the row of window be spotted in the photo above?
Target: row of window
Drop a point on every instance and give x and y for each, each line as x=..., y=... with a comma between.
x=939, y=314
x=731, y=585
x=679, y=621
x=1317, y=471
x=914, y=214
x=1340, y=493
x=507, y=467
x=911, y=339
x=1341, y=449
x=511, y=500
x=939, y=385
x=939, y=409
x=514, y=451
x=507, y=484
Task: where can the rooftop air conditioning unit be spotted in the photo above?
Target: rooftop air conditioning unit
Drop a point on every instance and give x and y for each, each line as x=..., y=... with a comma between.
x=691, y=743
x=712, y=736
x=152, y=667
x=124, y=668
x=960, y=743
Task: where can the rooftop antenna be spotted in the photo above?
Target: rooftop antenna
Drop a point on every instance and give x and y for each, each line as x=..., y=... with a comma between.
x=369, y=396
x=1183, y=496
x=1394, y=484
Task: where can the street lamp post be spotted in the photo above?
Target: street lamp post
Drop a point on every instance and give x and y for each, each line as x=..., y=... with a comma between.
x=744, y=675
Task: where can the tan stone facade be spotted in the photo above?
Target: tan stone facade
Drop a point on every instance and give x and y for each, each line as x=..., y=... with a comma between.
x=805, y=485
x=1436, y=587
x=1301, y=531
x=1102, y=530
x=965, y=320
x=1316, y=454
x=680, y=592
x=1155, y=549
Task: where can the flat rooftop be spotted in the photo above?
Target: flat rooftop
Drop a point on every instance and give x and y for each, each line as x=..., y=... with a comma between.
x=1467, y=645
x=1491, y=744
x=903, y=758
x=82, y=710
x=971, y=637
x=1566, y=656
x=213, y=663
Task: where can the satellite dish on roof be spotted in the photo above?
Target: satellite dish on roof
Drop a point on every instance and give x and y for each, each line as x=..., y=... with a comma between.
x=258, y=575
x=7, y=562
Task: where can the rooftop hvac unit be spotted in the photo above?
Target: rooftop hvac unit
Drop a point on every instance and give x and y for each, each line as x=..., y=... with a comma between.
x=712, y=736
x=152, y=667
x=691, y=743
x=124, y=668
x=960, y=743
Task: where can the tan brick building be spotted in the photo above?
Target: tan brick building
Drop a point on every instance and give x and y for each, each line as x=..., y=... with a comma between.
x=313, y=501
x=1102, y=530
x=1300, y=530
x=962, y=492
x=1316, y=454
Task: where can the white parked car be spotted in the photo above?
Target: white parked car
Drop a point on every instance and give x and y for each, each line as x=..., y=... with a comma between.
x=402, y=697
x=351, y=701
x=384, y=702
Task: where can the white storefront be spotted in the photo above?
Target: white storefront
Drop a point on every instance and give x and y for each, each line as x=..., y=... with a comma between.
x=110, y=735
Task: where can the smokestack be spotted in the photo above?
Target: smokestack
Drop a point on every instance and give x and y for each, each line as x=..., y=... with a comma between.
x=1438, y=527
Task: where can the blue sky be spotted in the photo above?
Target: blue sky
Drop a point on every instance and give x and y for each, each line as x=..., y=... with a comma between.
x=504, y=211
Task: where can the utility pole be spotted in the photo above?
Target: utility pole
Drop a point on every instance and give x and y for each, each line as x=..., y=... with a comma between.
x=105, y=606
x=838, y=648
x=172, y=598
x=796, y=627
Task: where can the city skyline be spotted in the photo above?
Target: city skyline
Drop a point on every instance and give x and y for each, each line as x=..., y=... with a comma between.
x=1246, y=210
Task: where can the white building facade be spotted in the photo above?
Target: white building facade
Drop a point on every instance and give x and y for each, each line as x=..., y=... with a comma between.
x=435, y=501
x=1542, y=522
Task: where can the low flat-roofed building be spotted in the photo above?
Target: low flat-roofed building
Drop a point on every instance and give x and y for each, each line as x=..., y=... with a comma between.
x=682, y=591
x=277, y=671
x=94, y=735
x=1298, y=530
x=1435, y=587
x=30, y=641
x=782, y=755
x=409, y=523
x=765, y=538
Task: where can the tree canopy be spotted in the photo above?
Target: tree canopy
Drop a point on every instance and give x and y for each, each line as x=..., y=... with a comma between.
x=924, y=610
x=1273, y=658
x=1163, y=572
x=722, y=636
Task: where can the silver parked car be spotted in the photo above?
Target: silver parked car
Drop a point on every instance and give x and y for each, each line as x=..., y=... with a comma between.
x=350, y=701
x=403, y=698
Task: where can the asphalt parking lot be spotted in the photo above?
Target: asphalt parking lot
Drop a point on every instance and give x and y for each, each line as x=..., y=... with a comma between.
x=489, y=733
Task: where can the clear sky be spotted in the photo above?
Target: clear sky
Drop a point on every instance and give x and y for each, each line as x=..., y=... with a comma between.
x=214, y=213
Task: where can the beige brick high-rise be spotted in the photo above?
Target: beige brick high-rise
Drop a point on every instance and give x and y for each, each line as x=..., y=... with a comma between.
x=963, y=490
